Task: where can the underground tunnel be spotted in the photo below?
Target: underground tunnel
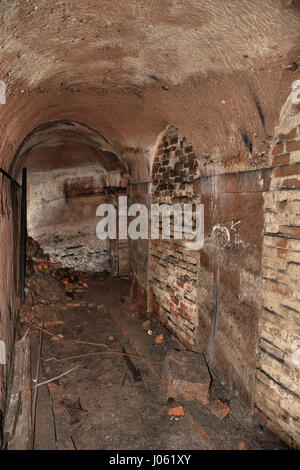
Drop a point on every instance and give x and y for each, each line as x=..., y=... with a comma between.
x=69, y=173
x=134, y=338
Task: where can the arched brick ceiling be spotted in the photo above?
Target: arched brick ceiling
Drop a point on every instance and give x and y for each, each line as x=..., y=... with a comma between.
x=127, y=68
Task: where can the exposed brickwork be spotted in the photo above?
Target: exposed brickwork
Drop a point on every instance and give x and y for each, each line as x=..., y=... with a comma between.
x=277, y=377
x=173, y=269
x=211, y=299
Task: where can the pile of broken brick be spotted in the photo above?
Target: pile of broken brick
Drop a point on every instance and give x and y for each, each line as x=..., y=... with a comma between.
x=46, y=285
x=186, y=378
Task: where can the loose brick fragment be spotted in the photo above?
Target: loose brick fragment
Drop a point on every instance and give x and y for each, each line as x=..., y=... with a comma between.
x=51, y=323
x=159, y=339
x=186, y=376
x=146, y=324
x=219, y=409
x=174, y=408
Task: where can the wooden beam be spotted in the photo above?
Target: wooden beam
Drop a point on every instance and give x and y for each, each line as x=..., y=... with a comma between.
x=17, y=431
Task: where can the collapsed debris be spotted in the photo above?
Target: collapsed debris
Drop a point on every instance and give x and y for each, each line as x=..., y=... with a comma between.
x=186, y=376
x=185, y=373
x=46, y=288
x=47, y=285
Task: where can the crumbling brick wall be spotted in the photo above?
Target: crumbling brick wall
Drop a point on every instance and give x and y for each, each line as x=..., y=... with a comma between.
x=211, y=299
x=278, y=358
x=173, y=269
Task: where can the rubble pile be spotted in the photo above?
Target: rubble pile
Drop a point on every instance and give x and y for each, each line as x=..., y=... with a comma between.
x=38, y=261
x=46, y=285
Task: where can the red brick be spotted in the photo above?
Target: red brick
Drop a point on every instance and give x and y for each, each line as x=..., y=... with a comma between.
x=281, y=253
x=288, y=170
x=282, y=243
x=219, y=409
x=175, y=409
x=291, y=230
x=293, y=145
x=186, y=376
x=291, y=135
x=279, y=287
x=291, y=183
x=281, y=160
x=277, y=149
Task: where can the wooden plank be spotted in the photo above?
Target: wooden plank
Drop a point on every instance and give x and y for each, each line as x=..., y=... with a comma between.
x=17, y=429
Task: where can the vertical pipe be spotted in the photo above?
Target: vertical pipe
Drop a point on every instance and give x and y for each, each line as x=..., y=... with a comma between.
x=23, y=236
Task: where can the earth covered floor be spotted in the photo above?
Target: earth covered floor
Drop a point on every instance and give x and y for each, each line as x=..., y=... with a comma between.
x=113, y=401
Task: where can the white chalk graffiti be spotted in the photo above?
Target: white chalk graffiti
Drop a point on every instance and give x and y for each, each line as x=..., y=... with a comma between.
x=237, y=238
x=221, y=235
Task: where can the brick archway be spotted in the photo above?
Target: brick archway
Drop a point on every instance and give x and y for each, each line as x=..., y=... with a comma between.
x=172, y=268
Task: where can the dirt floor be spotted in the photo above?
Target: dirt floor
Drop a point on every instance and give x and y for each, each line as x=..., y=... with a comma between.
x=106, y=403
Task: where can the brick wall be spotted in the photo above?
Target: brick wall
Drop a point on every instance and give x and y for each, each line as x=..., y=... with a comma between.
x=229, y=277
x=238, y=299
x=211, y=299
x=278, y=358
x=172, y=268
